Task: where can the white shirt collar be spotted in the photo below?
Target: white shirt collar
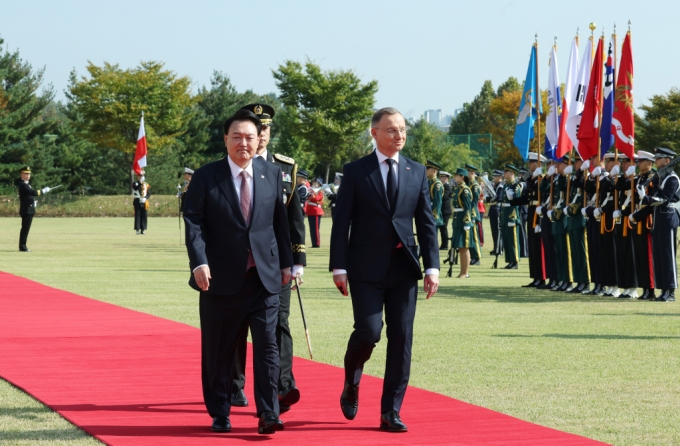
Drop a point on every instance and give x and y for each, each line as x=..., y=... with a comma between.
x=382, y=157
x=236, y=170
x=263, y=155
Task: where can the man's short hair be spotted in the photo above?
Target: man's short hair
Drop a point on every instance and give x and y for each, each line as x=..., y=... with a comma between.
x=377, y=116
x=243, y=115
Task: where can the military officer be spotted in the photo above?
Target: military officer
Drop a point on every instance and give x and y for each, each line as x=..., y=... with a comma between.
x=546, y=230
x=288, y=391
x=27, y=204
x=642, y=230
x=663, y=192
x=523, y=176
x=576, y=227
x=188, y=173
x=436, y=191
x=332, y=193
x=494, y=203
x=463, y=221
x=475, y=249
x=141, y=194
x=593, y=236
x=625, y=255
x=510, y=217
x=444, y=177
x=302, y=187
x=559, y=226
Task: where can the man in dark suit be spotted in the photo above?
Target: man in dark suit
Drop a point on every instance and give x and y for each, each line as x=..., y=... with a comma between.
x=26, y=205
x=236, y=226
x=373, y=247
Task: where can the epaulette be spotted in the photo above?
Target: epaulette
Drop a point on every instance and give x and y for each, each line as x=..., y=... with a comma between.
x=284, y=159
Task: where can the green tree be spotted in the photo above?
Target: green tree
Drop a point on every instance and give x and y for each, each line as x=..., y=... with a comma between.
x=474, y=115
x=510, y=85
x=332, y=110
x=425, y=141
x=660, y=126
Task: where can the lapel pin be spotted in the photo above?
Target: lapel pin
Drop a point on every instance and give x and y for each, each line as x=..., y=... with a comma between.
x=408, y=168
x=262, y=176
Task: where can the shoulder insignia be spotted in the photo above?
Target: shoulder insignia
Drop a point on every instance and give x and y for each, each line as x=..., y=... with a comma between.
x=466, y=191
x=284, y=159
x=438, y=185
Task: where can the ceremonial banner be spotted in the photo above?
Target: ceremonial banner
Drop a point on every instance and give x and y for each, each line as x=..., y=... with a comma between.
x=565, y=143
x=552, y=121
x=589, y=129
x=606, y=135
x=577, y=96
x=524, y=129
x=623, y=122
x=139, y=161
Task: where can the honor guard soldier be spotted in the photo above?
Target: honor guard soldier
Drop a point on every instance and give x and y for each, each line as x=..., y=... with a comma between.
x=288, y=392
x=663, y=193
x=332, y=193
x=188, y=173
x=559, y=226
x=26, y=204
x=530, y=199
x=302, y=187
x=436, y=191
x=642, y=230
x=524, y=175
x=444, y=177
x=141, y=194
x=494, y=203
x=576, y=228
x=475, y=249
x=546, y=231
x=510, y=217
x=625, y=254
x=314, y=211
x=463, y=221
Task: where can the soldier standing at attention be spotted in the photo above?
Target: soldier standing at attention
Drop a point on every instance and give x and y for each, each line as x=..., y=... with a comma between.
x=642, y=230
x=510, y=217
x=446, y=209
x=26, y=205
x=140, y=191
x=463, y=221
x=494, y=203
x=332, y=193
x=314, y=211
x=625, y=255
x=576, y=228
x=436, y=191
x=559, y=226
x=475, y=249
x=302, y=188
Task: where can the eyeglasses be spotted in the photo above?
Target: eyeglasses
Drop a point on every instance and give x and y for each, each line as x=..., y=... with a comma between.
x=393, y=131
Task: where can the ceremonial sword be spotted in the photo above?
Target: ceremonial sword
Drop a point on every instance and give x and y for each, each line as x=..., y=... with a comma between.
x=304, y=320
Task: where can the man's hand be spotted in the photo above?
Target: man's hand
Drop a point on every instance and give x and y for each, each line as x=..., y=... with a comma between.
x=551, y=171
x=641, y=192
x=597, y=212
x=285, y=276
x=341, y=282
x=45, y=190
x=537, y=171
x=585, y=165
x=630, y=172
x=596, y=171
x=568, y=170
x=298, y=271
x=142, y=200
x=615, y=171
x=539, y=210
x=510, y=193
x=431, y=285
x=202, y=277
x=511, y=224
x=632, y=220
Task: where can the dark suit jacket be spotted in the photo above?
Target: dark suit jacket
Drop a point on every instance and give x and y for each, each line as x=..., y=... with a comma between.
x=217, y=235
x=26, y=194
x=363, y=231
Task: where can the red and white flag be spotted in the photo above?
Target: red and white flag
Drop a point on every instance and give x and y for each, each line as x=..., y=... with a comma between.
x=589, y=129
x=623, y=122
x=577, y=99
x=565, y=143
x=139, y=162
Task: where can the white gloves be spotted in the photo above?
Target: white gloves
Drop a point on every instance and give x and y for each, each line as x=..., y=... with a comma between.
x=566, y=210
x=583, y=212
x=596, y=171
x=604, y=175
x=142, y=200
x=537, y=229
x=568, y=170
x=632, y=220
x=615, y=170
x=597, y=212
x=539, y=210
x=467, y=228
x=551, y=171
x=537, y=171
x=617, y=214
x=297, y=270
x=630, y=171
x=45, y=190
x=585, y=165
x=510, y=193
x=641, y=192
x=550, y=214
x=511, y=225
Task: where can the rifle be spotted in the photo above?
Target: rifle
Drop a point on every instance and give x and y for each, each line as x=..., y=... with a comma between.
x=449, y=260
x=661, y=173
x=499, y=248
x=179, y=211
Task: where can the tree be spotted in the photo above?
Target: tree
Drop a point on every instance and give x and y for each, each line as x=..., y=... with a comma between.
x=331, y=109
x=510, y=85
x=425, y=141
x=660, y=126
x=473, y=117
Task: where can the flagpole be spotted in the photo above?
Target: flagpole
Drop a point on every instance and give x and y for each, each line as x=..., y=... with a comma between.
x=592, y=27
x=538, y=98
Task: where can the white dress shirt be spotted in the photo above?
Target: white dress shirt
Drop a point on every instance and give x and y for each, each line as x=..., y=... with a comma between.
x=263, y=154
x=384, y=169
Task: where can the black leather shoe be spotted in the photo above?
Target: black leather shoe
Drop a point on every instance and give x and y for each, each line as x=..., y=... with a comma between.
x=289, y=397
x=475, y=262
x=533, y=284
x=269, y=423
x=577, y=289
x=543, y=285
x=349, y=401
x=24, y=249
x=239, y=399
x=221, y=424
x=652, y=294
x=512, y=265
x=391, y=422
x=283, y=409
x=644, y=295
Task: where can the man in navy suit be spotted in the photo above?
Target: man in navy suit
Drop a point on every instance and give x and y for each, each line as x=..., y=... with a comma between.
x=373, y=247
x=237, y=227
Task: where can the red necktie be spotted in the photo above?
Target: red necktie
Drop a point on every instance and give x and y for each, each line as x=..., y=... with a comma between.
x=245, y=209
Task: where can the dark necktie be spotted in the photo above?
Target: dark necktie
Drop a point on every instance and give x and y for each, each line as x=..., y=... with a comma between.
x=245, y=209
x=391, y=184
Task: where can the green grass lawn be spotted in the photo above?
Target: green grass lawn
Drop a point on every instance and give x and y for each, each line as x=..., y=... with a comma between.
x=605, y=368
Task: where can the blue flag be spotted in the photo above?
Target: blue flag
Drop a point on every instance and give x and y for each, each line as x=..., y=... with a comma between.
x=524, y=130
x=606, y=136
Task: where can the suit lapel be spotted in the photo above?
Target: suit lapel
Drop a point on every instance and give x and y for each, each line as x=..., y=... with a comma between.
x=226, y=183
x=259, y=185
x=373, y=169
x=404, y=177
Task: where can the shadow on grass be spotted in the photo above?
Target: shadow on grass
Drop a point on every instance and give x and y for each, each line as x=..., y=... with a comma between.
x=513, y=295
x=637, y=314
x=586, y=336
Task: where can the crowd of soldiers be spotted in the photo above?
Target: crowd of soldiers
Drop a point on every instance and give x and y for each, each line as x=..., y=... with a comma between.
x=593, y=227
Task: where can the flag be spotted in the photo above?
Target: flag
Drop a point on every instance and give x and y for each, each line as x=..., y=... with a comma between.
x=606, y=135
x=577, y=96
x=139, y=161
x=524, y=129
x=589, y=129
x=623, y=122
x=565, y=143
x=552, y=121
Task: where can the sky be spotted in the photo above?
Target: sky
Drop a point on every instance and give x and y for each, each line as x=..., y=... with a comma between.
x=424, y=54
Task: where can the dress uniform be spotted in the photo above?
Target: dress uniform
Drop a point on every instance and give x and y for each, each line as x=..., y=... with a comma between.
x=436, y=191
x=26, y=205
x=559, y=227
x=524, y=174
x=662, y=193
x=302, y=188
x=141, y=194
x=314, y=211
x=576, y=229
x=625, y=254
x=332, y=193
x=642, y=230
x=475, y=250
x=546, y=231
x=288, y=392
x=510, y=217
x=463, y=220
x=446, y=209
x=494, y=204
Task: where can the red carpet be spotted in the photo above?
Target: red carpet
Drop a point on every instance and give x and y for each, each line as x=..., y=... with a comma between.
x=129, y=378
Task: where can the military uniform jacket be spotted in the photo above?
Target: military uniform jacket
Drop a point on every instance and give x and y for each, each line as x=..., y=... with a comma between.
x=26, y=194
x=576, y=219
x=446, y=200
x=510, y=213
x=462, y=207
x=559, y=198
x=476, y=192
x=658, y=200
x=436, y=197
x=296, y=217
x=644, y=218
x=332, y=194
x=606, y=202
x=137, y=192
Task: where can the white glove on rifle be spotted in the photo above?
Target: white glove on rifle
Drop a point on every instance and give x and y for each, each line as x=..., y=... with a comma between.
x=566, y=210
x=568, y=170
x=297, y=270
x=537, y=229
x=467, y=228
x=585, y=165
x=510, y=193
x=630, y=171
x=617, y=214
x=596, y=171
x=551, y=171
x=511, y=225
x=539, y=210
x=615, y=170
x=45, y=190
x=537, y=171
x=550, y=214
x=583, y=212
x=632, y=220
x=641, y=192
x=142, y=200
x=604, y=175
x=597, y=212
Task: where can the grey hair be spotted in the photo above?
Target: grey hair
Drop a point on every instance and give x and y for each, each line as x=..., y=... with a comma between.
x=377, y=116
